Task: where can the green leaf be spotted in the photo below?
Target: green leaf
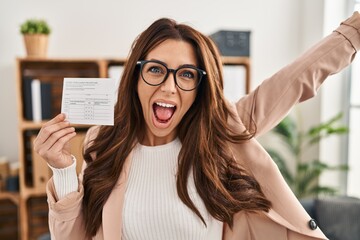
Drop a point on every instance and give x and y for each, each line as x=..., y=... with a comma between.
x=304, y=182
x=325, y=190
x=317, y=129
x=35, y=26
x=287, y=130
x=309, y=175
x=281, y=163
x=341, y=167
x=326, y=129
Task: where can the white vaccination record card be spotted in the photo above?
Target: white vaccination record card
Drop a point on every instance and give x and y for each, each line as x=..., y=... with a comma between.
x=88, y=100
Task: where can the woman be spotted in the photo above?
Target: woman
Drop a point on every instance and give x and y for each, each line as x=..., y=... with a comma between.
x=181, y=162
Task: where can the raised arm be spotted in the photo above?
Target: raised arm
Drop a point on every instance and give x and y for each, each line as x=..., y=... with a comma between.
x=65, y=216
x=270, y=102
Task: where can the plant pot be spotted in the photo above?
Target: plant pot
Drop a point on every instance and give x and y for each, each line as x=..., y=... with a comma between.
x=36, y=45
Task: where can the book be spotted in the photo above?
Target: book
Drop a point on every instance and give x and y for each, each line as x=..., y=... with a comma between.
x=27, y=163
x=37, y=99
x=27, y=98
x=46, y=106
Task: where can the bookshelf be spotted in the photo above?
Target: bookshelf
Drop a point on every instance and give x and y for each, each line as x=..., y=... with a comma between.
x=34, y=172
x=31, y=204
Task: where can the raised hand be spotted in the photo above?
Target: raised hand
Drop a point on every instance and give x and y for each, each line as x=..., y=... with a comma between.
x=52, y=142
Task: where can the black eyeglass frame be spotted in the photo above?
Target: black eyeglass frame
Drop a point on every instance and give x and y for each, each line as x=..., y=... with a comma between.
x=170, y=70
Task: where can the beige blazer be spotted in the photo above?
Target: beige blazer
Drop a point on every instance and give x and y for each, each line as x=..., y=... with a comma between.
x=270, y=102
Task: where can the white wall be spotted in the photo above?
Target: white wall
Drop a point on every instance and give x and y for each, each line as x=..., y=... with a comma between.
x=281, y=30
x=333, y=100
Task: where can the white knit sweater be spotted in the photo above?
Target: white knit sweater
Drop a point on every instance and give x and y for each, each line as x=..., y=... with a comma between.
x=152, y=208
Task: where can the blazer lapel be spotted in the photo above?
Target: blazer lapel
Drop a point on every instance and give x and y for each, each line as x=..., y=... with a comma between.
x=112, y=210
x=301, y=228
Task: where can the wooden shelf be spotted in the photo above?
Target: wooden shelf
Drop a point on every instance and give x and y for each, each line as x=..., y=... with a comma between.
x=32, y=192
x=14, y=197
x=236, y=60
x=30, y=125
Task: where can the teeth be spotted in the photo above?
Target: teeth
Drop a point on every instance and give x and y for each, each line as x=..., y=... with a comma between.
x=168, y=105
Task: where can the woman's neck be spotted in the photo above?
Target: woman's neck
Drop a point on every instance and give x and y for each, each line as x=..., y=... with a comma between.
x=151, y=140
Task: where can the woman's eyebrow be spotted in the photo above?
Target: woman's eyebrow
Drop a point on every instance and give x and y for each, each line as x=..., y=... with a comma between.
x=182, y=65
x=188, y=65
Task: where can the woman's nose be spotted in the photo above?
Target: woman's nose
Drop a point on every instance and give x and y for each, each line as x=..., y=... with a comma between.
x=169, y=84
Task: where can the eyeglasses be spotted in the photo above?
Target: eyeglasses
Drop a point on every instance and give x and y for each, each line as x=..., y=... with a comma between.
x=154, y=73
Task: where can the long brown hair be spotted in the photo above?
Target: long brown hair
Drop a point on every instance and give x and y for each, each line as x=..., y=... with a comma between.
x=223, y=185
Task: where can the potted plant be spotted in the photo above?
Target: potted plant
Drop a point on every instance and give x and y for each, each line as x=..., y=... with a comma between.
x=303, y=180
x=35, y=34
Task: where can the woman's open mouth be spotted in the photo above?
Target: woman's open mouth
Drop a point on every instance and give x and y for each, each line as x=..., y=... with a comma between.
x=163, y=111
